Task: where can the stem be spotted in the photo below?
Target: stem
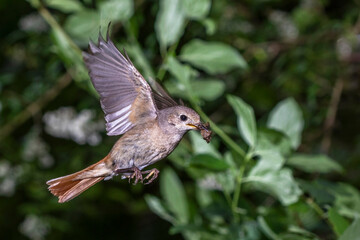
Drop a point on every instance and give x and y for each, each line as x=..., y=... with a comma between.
x=319, y=211
x=36, y=106
x=218, y=130
x=54, y=24
x=239, y=180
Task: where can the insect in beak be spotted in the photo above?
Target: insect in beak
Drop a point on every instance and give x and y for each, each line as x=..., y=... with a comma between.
x=204, y=130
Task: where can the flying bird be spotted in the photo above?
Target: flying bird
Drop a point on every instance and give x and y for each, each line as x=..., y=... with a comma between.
x=151, y=122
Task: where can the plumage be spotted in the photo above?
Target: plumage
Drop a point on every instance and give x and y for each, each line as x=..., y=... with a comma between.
x=123, y=91
x=152, y=123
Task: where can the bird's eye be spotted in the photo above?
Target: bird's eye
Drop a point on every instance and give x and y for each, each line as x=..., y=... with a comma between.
x=183, y=117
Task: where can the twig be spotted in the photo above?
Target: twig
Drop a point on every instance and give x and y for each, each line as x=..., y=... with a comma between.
x=36, y=106
x=331, y=115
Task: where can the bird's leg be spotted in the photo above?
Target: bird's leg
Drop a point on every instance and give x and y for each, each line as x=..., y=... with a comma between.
x=152, y=175
x=137, y=174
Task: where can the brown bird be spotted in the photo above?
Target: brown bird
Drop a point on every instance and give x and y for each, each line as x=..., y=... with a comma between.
x=152, y=123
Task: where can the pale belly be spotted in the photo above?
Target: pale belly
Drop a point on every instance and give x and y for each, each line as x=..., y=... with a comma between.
x=141, y=148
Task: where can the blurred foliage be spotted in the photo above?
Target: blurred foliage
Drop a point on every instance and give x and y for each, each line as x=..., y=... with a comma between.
x=278, y=80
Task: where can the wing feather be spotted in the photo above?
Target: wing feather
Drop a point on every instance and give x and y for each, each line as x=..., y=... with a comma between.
x=125, y=97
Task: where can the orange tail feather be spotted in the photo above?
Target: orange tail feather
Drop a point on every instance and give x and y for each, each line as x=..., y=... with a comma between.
x=70, y=186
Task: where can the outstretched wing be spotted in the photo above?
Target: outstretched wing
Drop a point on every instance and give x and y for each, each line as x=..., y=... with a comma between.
x=161, y=97
x=125, y=96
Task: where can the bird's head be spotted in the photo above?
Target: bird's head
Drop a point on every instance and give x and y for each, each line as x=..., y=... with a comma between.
x=182, y=119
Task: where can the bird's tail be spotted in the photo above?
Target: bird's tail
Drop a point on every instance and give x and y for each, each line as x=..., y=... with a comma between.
x=70, y=186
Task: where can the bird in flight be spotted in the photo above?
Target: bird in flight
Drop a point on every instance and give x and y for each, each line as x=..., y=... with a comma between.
x=151, y=122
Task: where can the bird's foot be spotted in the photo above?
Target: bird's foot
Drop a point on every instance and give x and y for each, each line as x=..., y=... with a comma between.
x=152, y=175
x=137, y=175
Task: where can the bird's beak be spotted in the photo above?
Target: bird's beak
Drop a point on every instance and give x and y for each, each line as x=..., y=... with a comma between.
x=199, y=126
x=204, y=130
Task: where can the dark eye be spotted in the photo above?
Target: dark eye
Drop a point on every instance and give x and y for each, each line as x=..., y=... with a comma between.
x=183, y=117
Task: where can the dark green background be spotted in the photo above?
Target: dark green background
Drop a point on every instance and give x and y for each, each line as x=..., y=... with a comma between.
x=308, y=51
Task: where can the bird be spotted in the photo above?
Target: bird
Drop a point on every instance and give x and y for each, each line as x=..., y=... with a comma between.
x=150, y=121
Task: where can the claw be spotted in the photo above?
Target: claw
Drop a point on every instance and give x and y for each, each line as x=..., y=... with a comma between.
x=153, y=174
x=137, y=174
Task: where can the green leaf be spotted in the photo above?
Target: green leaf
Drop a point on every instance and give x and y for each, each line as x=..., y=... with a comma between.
x=201, y=147
x=207, y=89
x=139, y=59
x=320, y=190
x=196, y=9
x=210, y=26
x=170, y=22
x=227, y=180
x=66, y=6
x=269, y=161
x=338, y=223
x=173, y=192
x=203, y=196
x=246, y=119
x=352, y=232
x=265, y=228
x=314, y=163
x=287, y=118
x=72, y=58
x=83, y=26
x=347, y=200
x=116, y=10
x=296, y=232
x=281, y=184
x=212, y=57
x=210, y=162
x=181, y=72
x=269, y=139
x=157, y=207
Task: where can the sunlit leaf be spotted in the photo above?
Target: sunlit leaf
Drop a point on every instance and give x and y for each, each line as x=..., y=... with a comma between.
x=196, y=9
x=210, y=26
x=269, y=139
x=352, y=232
x=314, y=163
x=170, y=21
x=173, y=192
x=246, y=119
x=269, y=161
x=212, y=57
x=287, y=118
x=116, y=10
x=281, y=184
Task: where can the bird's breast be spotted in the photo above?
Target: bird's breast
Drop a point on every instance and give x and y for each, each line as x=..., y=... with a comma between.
x=143, y=146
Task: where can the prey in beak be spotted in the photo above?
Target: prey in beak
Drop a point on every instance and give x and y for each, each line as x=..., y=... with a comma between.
x=204, y=130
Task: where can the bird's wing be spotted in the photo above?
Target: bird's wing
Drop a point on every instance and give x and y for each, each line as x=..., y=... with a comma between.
x=125, y=96
x=161, y=97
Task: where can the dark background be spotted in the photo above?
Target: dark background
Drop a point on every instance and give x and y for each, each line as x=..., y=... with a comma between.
x=307, y=50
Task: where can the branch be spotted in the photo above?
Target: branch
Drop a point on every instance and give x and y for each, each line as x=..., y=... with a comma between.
x=331, y=115
x=36, y=106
